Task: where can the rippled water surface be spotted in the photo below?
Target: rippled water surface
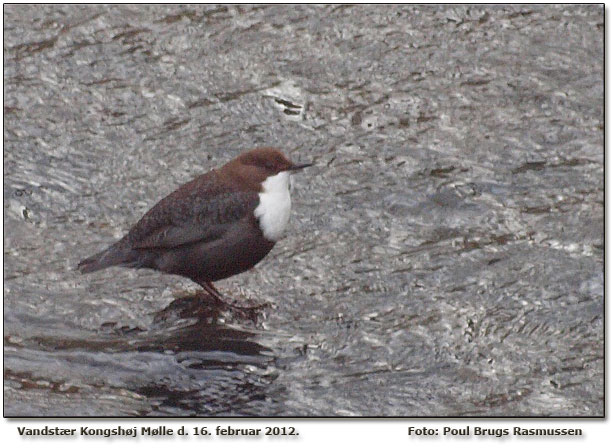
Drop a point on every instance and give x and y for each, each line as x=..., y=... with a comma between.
x=445, y=254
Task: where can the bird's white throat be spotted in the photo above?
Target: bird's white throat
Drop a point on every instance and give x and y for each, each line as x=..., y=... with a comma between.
x=275, y=205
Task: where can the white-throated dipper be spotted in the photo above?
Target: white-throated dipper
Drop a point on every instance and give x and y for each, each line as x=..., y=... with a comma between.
x=218, y=225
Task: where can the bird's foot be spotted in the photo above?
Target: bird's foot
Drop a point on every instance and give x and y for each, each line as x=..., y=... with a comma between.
x=258, y=307
x=228, y=303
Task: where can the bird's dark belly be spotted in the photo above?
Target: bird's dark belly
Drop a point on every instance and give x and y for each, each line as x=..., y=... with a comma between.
x=238, y=250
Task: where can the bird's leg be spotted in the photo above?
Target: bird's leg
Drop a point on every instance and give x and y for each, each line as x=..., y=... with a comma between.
x=209, y=288
x=212, y=291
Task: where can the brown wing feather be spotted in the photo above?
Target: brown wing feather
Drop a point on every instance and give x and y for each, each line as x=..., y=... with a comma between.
x=200, y=210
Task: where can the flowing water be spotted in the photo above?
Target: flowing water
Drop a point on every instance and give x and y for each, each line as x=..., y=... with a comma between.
x=445, y=253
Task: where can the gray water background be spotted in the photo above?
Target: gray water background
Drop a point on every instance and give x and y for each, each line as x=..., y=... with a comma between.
x=445, y=254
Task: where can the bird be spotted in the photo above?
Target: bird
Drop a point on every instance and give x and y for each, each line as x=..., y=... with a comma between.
x=218, y=225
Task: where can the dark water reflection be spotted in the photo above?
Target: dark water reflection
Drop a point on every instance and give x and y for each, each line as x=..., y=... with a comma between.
x=181, y=366
x=445, y=254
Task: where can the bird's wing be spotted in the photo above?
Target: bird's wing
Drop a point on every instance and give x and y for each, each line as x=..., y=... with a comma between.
x=206, y=220
x=199, y=211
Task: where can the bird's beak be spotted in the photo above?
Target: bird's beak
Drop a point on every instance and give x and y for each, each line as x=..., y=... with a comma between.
x=300, y=166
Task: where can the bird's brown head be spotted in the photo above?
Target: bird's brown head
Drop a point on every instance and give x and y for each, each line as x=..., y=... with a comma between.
x=255, y=166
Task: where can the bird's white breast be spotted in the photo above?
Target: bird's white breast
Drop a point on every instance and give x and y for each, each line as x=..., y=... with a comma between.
x=275, y=205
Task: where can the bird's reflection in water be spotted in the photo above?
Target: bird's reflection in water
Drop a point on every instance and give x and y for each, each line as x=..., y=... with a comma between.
x=220, y=367
x=196, y=357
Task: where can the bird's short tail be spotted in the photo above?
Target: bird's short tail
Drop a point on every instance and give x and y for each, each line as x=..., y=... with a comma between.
x=111, y=256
